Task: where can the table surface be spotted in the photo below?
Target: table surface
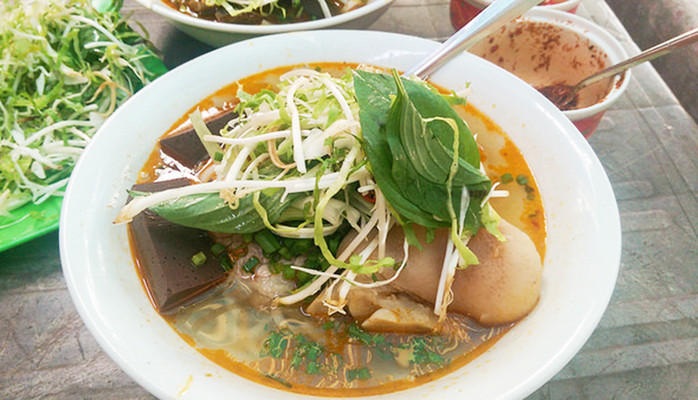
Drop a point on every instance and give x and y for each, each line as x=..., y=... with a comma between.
x=645, y=347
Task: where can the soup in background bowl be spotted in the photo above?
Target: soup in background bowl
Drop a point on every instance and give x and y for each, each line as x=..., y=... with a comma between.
x=359, y=14
x=579, y=209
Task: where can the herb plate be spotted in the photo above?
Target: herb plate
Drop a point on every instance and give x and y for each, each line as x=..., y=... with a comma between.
x=33, y=220
x=583, y=244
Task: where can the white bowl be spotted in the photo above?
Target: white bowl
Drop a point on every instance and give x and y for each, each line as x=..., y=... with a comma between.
x=583, y=245
x=219, y=34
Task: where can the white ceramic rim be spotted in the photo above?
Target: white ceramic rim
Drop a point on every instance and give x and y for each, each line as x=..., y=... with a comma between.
x=159, y=8
x=597, y=35
x=567, y=6
x=580, y=210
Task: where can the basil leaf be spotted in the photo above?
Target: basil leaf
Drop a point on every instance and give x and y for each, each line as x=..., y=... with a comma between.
x=410, y=149
x=209, y=212
x=373, y=95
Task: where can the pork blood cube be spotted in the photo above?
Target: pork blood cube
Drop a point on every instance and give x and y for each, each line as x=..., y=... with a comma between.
x=165, y=256
x=186, y=148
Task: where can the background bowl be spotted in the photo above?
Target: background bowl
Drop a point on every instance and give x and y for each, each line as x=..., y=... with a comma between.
x=219, y=34
x=547, y=47
x=580, y=266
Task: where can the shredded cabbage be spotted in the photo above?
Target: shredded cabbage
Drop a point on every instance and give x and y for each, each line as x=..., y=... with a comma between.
x=64, y=67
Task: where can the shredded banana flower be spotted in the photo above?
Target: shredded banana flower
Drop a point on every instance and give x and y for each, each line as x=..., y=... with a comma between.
x=64, y=68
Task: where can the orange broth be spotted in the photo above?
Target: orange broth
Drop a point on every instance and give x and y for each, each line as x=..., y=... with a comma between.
x=523, y=208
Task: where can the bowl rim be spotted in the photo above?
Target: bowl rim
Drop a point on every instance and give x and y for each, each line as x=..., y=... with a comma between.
x=597, y=35
x=163, y=10
x=79, y=211
x=566, y=5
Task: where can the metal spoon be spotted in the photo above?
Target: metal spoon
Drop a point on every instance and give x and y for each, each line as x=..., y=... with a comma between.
x=495, y=15
x=564, y=94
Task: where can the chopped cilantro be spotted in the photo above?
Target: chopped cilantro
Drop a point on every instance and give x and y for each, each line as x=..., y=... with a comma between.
x=305, y=354
x=425, y=350
x=358, y=373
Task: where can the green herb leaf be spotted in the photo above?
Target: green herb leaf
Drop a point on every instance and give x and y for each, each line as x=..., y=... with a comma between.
x=410, y=143
x=427, y=350
x=209, y=212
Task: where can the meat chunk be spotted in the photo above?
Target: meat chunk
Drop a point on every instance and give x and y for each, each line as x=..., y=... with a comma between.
x=383, y=309
x=505, y=286
x=502, y=288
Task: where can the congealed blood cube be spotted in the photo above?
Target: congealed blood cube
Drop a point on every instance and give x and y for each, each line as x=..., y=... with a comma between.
x=165, y=252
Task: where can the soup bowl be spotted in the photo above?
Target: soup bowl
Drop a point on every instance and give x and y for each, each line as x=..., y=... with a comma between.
x=219, y=33
x=580, y=211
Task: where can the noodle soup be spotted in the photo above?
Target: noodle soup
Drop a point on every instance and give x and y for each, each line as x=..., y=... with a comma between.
x=239, y=318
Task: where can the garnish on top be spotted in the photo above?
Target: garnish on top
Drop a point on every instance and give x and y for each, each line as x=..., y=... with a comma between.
x=300, y=161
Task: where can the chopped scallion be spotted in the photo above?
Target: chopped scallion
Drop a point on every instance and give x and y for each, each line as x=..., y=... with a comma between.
x=217, y=249
x=251, y=264
x=285, y=253
x=198, y=259
x=267, y=241
x=288, y=272
x=521, y=179
x=225, y=262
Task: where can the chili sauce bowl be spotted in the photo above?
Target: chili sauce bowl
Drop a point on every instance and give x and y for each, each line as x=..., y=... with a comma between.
x=583, y=242
x=549, y=47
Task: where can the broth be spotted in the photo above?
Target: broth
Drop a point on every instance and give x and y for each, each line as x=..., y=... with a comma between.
x=285, y=348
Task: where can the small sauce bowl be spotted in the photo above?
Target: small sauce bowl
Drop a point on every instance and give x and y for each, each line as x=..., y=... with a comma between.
x=462, y=11
x=548, y=47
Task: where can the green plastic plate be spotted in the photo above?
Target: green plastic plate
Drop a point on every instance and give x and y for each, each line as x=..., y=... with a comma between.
x=28, y=222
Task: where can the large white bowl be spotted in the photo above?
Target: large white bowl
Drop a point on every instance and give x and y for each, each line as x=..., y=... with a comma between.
x=583, y=247
x=218, y=34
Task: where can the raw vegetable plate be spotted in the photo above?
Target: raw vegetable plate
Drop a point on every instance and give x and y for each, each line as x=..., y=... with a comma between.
x=67, y=66
x=583, y=228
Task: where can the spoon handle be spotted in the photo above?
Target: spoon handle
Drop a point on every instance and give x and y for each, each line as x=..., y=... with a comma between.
x=495, y=15
x=647, y=55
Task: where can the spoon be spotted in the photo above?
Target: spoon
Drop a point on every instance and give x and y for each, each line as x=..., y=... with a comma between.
x=495, y=15
x=562, y=95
